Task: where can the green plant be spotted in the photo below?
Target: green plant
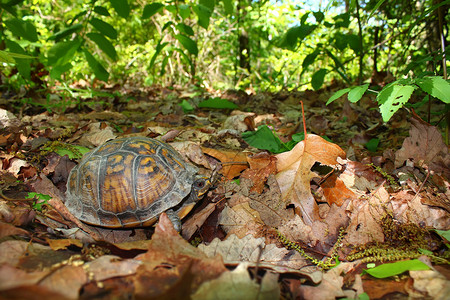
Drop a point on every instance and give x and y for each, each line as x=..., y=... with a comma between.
x=396, y=94
x=40, y=200
x=396, y=268
x=264, y=138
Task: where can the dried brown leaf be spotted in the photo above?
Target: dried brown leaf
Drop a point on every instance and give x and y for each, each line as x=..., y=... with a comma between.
x=255, y=252
x=172, y=265
x=261, y=166
x=241, y=220
x=109, y=266
x=233, y=162
x=294, y=172
x=426, y=147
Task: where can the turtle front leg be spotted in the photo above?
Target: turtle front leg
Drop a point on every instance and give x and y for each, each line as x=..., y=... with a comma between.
x=175, y=219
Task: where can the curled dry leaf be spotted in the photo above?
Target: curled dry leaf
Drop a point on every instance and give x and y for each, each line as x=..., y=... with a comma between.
x=255, y=252
x=294, y=173
x=238, y=285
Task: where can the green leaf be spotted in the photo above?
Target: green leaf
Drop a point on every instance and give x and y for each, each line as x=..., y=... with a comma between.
x=310, y=58
x=393, y=98
x=228, y=6
x=392, y=269
x=354, y=43
x=263, y=138
x=338, y=94
x=24, y=29
x=104, y=28
x=372, y=145
x=187, y=107
x=41, y=199
x=357, y=92
x=444, y=233
x=159, y=48
x=151, y=9
x=66, y=32
x=62, y=53
x=6, y=57
x=203, y=14
x=317, y=78
x=23, y=64
x=319, y=16
x=374, y=10
x=58, y=70
x=187, y=43
x=99, y=71
x=295, y=34
x=186, y=29
x=435, y=86
x=217, y=103
x=121, y=7
x=101, y=11
x=104, y=44
x=208, y=3
x=184, y=11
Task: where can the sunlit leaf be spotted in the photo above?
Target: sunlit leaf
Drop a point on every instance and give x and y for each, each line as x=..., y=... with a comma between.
x=435, y=86
x=338, y=94
x=357, y=92
x=392, y=98
x=397, y=268
x=263, y=138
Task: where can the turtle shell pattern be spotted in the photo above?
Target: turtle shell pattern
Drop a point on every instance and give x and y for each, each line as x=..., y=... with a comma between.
x=128, y=182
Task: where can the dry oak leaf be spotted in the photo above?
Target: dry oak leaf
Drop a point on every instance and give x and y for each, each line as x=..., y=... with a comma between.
x=294, y=173
x=233, y=162
x=241, y=220
x=426, y=147
x=172, y=267
x=261, y=166
x=365, y=216
x=255, y=252
x=110, y=266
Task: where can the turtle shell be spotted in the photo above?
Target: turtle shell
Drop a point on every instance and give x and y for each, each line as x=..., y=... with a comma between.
x=128, y=182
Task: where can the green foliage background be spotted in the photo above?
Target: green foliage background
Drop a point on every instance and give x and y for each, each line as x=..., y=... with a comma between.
x=289, y=44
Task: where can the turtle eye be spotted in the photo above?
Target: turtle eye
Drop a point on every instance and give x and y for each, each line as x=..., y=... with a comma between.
x=200, y=184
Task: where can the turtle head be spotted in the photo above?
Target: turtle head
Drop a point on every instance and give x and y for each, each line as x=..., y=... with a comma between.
x=200, y=186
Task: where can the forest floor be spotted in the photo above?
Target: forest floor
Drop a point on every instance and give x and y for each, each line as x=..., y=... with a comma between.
x=307, y=220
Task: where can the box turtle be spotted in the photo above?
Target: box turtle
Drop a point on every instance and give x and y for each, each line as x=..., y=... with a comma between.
x=129, y=182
